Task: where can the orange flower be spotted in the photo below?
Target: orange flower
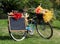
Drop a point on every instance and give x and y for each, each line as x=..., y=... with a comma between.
x=38, y=9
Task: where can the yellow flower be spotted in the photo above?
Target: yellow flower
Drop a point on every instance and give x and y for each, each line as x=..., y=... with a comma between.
x=48, y=15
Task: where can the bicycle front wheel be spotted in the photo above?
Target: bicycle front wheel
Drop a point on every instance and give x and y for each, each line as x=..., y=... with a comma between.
x=44, y=30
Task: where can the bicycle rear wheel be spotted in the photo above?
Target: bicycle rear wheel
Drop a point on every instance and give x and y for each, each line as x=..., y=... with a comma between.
x=18, y=36
x=44, y=30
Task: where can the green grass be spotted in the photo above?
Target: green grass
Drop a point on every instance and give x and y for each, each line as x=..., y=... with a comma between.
x=35, y=39
x=56, y=23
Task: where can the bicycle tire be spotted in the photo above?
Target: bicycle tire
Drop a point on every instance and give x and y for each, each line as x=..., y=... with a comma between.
x=41, y=33
x=16, y=39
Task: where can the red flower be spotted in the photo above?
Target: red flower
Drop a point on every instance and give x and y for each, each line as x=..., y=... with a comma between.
x=17, y=16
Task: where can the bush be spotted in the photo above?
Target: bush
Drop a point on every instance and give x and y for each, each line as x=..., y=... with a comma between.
x=57, y=14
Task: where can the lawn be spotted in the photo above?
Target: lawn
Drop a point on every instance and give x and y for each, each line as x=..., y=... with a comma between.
x=35, y=39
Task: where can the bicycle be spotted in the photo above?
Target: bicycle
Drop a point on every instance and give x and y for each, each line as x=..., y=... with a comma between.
x=45, y=30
